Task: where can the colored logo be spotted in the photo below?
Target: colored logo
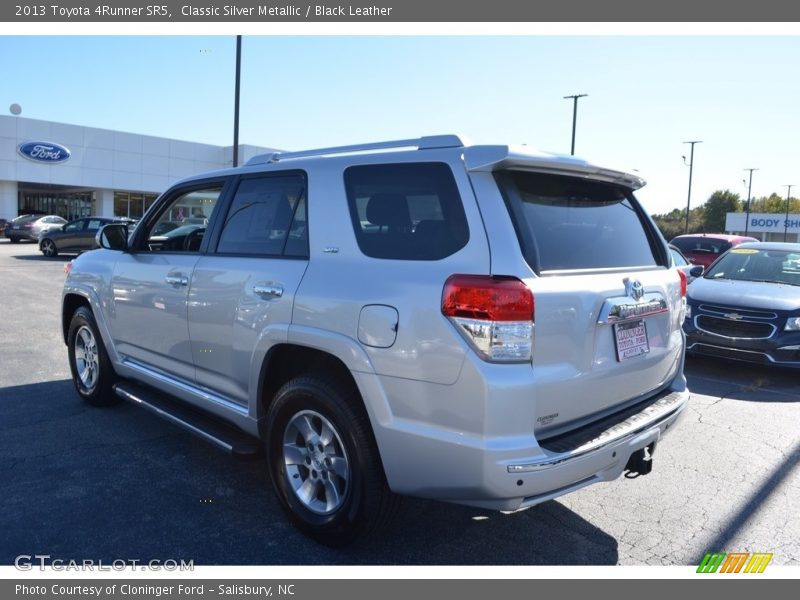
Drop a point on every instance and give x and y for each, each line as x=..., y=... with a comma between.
x=736, y=562
x=48, y=152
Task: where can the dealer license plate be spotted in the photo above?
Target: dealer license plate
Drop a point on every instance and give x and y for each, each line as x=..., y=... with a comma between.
x=631, y=339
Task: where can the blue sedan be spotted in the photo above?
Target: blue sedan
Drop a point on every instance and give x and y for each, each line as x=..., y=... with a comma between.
x=747, y=306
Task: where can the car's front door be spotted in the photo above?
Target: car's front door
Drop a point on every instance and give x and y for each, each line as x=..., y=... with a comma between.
x=151, y=285
x=66, y=238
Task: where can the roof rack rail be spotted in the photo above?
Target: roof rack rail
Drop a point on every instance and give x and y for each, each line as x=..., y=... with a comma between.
x=423, y=143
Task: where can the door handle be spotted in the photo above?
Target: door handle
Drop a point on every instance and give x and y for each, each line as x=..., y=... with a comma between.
x=177, y=279
x=268, y=291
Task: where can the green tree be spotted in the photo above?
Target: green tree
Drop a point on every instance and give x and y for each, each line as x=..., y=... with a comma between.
x=719, y=204
x=768, y=204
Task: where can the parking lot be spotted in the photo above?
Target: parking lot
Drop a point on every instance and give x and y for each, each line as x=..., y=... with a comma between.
x=84, y=483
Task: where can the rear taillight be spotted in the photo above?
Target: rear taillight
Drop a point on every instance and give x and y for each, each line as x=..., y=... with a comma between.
x=681, y=316
x=494, y=314
x=684, y=283
x=28, y=225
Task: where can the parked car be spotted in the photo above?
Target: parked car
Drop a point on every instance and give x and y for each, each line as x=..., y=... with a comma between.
x=3, y=223
x=30, y=227
x=365, y=315
x=747, y=306
x=680, y=262
x=704, y=248
x=74, y=237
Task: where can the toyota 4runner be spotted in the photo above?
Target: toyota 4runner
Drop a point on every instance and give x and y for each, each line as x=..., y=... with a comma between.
x=485, y=325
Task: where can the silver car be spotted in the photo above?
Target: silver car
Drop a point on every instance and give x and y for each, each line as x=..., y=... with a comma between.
x=485, y=325
x=31, y=227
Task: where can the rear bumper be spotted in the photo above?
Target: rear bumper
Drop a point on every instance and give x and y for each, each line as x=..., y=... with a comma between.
x=517, y=471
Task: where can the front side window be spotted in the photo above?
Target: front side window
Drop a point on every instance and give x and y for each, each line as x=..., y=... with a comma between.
x=267, y=217
x=182, y=224
x=408, y=211
x=75, y=226
x=570, y=223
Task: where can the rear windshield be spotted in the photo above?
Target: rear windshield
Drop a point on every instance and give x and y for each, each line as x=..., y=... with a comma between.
x=570, y=223
x=701, y=245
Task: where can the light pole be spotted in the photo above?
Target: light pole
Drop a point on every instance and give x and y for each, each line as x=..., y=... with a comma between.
x=747, y=204
x=691, y=165
x=574, y=117
x=786, y=222
x=236, y=101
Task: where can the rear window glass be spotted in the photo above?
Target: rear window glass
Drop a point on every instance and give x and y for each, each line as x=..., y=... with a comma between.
x=570, y=223
x=409, y=211
x=701, y=245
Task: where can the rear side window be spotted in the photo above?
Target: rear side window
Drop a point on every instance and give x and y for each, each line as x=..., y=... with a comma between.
x=570, y=223
x=409, y=211
x=267, y=218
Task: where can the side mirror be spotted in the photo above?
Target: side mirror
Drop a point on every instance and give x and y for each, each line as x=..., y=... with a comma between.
x=697, y=271
x=112, y=237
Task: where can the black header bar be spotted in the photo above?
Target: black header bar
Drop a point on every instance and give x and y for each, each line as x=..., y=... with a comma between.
x=398, y=11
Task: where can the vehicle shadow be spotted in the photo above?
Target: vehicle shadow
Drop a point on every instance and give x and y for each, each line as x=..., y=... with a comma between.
x=741, y=381
x=41, y=258
x=117, y=483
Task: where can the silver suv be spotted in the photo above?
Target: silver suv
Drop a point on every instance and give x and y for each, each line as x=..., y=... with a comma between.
x=485, y=325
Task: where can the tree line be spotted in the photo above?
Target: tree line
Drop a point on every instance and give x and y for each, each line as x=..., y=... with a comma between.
x=710, y=216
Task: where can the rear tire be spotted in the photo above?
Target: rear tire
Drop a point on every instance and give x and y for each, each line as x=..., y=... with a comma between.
x=92, y=373
x=48, y=248
x=13, y=240
x=324, y=463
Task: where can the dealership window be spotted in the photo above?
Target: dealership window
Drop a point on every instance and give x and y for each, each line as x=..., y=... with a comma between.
x=132, y=204
x=64, y=201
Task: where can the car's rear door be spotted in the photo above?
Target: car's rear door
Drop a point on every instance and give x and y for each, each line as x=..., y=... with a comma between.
x=243, y=288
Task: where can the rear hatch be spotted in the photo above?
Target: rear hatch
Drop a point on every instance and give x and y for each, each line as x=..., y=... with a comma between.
x=608, y=308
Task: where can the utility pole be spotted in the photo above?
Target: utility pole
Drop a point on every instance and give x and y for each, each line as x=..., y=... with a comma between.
x=786, y=222
x=747, y=214
x=574, y=117
x=236, y=101
x=691, y=165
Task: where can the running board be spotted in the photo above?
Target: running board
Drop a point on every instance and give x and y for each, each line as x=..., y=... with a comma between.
x=221, y=434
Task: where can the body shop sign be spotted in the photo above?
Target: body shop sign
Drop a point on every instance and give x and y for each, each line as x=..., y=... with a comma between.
x=47, y=152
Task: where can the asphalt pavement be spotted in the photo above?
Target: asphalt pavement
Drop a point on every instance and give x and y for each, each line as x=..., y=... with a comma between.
x=104, y=484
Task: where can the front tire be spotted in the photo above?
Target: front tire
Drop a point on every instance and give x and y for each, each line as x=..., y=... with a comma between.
x=324, y=463
x=48, y=248
x=92, y=373
x=13, y=240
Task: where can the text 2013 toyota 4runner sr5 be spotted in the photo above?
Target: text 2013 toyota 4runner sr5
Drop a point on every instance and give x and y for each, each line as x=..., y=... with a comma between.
x=486, y=325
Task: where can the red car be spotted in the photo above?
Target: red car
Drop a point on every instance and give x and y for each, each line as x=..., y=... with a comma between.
x=704, y=248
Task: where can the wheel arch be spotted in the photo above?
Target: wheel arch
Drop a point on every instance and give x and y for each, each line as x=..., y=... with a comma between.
x=70, y=303
x=286, y=361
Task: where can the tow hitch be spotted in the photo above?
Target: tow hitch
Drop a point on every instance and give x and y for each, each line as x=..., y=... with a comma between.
x=640, y=462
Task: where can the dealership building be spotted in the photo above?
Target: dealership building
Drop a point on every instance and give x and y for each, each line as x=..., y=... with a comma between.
x=74, y=171
x=767, y=227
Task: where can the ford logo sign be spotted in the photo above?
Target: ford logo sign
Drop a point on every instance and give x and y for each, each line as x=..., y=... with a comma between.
x=48, y=152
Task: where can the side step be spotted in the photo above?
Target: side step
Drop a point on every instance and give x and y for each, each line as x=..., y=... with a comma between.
x=229, y=438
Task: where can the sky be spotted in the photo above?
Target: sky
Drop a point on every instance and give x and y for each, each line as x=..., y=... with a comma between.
x=646, y=96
